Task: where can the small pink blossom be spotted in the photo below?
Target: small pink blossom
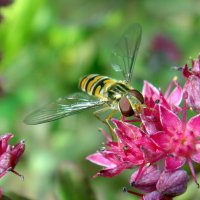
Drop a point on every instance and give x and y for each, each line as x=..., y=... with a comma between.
x=170, y=99
x=154, y=97
x=179, y=140
x=132, y=148
x=9, y=155
x=191, y=88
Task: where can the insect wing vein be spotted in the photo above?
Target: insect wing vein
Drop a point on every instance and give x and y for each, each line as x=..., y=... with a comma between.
x=125, y=51
x=61, y=108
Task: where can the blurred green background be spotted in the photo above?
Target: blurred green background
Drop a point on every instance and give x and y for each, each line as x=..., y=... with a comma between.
x=46, y=47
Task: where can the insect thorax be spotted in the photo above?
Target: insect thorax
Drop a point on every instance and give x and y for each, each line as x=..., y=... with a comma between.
x=117, y=90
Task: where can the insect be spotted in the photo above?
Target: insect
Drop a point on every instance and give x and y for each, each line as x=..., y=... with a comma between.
x=101, y=91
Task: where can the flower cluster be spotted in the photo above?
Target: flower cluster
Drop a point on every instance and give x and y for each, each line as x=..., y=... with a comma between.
x=162, y=143
x=9, y=155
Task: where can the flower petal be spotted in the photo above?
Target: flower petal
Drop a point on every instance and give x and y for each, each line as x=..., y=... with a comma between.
x=155, y=195
x=4, y=142
x=172, y=183
x=150, y=91
x=193, y=125
x=173, y=163
x=151, y=120
x=176, y=96
x=148, y=179
x=161, y=139
x=99, y=159
x=16, y=152
x=114, y=171
x=186, y=71
x=5, y=163
x=196, y=66
x=127, y=129
x=192, y=89
x=196, y=158
x=170, y=121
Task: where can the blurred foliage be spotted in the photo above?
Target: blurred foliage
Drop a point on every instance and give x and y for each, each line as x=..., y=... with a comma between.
x=14, y=196
x=46, y=46
x=72, y=183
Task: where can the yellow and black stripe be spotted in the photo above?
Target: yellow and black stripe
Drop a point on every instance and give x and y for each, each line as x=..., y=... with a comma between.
x=103, y=87
x=96, y=85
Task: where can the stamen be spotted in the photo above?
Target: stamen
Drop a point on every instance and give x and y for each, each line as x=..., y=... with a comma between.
x=192, y=171
x=170, y=87
x=16, y=173
x=105, y=135
x=125, y=189
x=140, y=171
x=135, y=119
x=184, y=114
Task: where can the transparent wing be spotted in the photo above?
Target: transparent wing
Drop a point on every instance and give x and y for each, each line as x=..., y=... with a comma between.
x=125, y=51
x=63, y=107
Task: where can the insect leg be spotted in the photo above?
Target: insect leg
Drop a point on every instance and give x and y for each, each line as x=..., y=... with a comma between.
x=135, y=119
x=106, y=120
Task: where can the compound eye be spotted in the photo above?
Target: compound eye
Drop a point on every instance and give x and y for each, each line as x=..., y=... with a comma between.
x=125, y=107
x=137, y=95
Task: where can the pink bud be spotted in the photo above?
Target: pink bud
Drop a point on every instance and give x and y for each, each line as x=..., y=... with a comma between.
x=172, y=183
x=9, y=155
x=147, y=180
x=192, y=89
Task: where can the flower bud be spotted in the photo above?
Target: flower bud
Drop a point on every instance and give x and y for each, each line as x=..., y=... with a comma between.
x=147, y=180
x=172, y=183
x=191, y=89
x=9, y=155
x=155, y=195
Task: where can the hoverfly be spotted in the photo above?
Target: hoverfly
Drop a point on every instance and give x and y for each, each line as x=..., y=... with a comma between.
x=101, y=91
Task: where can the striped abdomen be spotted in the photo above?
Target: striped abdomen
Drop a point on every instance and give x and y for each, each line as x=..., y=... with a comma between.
x=103, y=87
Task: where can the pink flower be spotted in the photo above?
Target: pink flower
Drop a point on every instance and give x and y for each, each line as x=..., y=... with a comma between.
x=9, y=155
x=154, y=97
x=158, y=146
x=171, y=99
x=132, y=148
x=192, y=86
x=178, y=139
x=112, y=157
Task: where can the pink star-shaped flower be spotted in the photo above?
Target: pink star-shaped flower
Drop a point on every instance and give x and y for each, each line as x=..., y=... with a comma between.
x=178, y=139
